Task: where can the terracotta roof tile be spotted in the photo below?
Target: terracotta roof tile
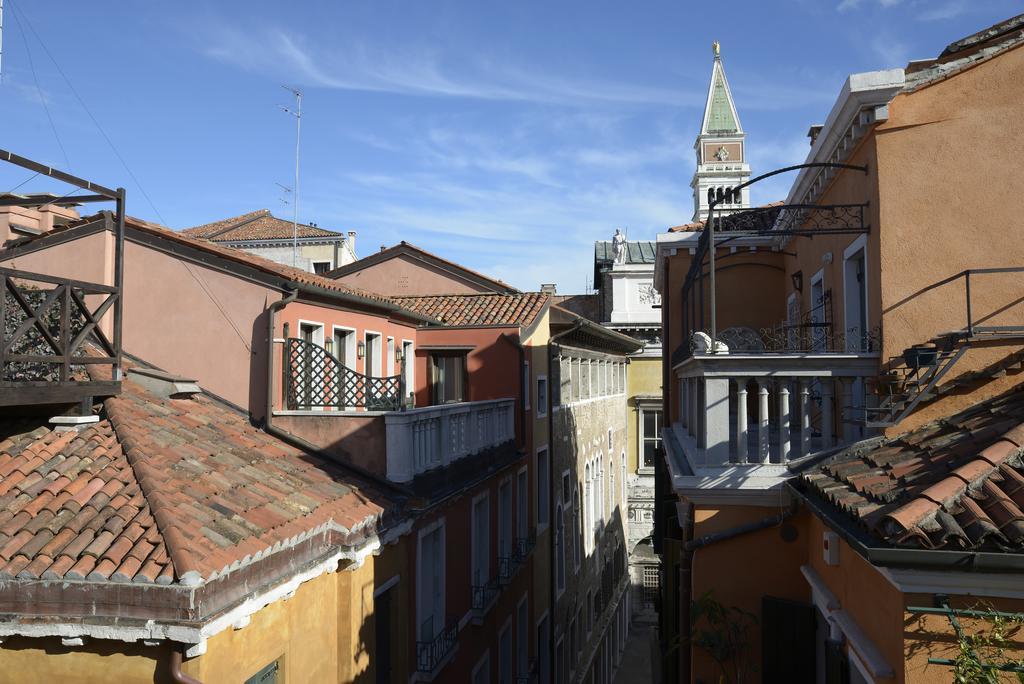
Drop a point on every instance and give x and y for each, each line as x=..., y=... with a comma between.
x=478, y=309
x=956, y=483
x=256, y=225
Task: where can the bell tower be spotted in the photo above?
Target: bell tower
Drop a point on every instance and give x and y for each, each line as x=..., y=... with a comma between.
x=721, y=150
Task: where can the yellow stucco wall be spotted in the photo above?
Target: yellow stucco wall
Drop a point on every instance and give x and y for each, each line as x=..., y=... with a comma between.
x=643, y=378
x=42, y=661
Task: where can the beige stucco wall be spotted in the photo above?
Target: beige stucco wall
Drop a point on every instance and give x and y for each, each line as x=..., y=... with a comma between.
x=403, y=275
x=643, y=378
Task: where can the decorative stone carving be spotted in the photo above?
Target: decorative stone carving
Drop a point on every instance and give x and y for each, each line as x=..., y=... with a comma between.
x=701, y=343
x=648, y=295
x=619, y=247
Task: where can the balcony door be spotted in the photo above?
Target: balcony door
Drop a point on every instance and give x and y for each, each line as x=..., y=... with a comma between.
x=309, y=375
x=522, y=504
x=505, y=519
x=448, y=377
x=855, y=297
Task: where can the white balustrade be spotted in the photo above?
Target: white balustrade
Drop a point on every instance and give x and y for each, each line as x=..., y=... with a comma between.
x=796, y=413
x=422, y=439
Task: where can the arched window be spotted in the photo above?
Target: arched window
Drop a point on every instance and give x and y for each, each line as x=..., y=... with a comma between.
x=625, y=492
x=611, y=486
x=711, y=195
x=720, y=193
x=588, y=506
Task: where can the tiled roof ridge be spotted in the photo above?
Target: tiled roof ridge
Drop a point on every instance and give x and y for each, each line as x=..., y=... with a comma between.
x=182, y=561
x=202, y=230
x=1006, y=450
x=253, y=216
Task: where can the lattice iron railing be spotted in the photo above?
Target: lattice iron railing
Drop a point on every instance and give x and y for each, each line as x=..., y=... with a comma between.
x=51, y=328
x=794, y=218
x=314, y=379
x=430, y=654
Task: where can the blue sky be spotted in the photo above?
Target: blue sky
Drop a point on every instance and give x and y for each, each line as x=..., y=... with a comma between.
x=506, y=136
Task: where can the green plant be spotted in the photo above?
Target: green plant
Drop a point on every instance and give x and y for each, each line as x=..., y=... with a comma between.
x=982, y=655
x=724, y=633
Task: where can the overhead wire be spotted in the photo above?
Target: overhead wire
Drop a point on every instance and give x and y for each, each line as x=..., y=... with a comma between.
x=88, y=112
x=42, y=96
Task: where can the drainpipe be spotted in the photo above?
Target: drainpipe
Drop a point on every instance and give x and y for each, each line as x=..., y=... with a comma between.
x=177, y=675
x=746, y=528
x=298, y=442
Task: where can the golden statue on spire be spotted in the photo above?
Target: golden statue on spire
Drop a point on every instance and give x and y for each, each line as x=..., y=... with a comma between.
x=717, y=47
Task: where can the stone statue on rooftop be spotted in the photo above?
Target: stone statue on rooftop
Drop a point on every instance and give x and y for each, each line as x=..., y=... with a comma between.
x=619, y=247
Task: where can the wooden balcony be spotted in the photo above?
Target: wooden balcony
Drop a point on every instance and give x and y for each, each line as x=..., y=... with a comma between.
x=55, y=340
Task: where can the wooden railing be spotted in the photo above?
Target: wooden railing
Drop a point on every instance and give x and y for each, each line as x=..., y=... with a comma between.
x=50, y=330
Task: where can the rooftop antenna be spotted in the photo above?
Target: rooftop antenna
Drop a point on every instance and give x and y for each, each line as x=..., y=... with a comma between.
x=1, y=41
x=297, y=113
x=287, y=191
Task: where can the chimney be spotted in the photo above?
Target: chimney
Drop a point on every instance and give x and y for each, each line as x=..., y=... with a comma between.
x=813, y=132
x=164, y=384
x=352, y=241
x=549, y=288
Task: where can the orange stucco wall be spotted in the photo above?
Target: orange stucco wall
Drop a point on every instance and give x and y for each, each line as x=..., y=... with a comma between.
x=404, y=275
x=726, y=569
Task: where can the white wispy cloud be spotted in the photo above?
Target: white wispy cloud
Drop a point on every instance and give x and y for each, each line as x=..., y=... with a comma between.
x=414, y=70
x=944, y=10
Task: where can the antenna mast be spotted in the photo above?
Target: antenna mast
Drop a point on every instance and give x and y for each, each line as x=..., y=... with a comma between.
x=297, y=113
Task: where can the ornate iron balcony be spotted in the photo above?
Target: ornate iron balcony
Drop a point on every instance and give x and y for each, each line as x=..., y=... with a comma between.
x=508, y=566
x=485, y=594
x=525, y=545
x=430, y=654
x=314, y=379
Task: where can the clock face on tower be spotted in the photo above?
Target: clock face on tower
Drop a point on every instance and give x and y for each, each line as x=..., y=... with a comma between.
x=722, y=154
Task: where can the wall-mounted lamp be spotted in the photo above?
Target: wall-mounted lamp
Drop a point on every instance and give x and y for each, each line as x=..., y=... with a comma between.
x=361, y=349
x=329, y=345
x=398, y=354
x=798, y=281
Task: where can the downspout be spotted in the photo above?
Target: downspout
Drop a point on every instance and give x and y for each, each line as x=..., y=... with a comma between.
x=177, y=676
x=298, y=442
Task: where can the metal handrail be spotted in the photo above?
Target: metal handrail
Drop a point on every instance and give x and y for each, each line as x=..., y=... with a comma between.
x=429, y=654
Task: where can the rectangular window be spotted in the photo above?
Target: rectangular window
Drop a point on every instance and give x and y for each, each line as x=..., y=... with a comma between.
x=526, y=384
x=523, y=639
x=482, y=671
x=650, y=421
x=271, y=674
x=559, y=551
x=448, y=377
x=383, y=616
x=522, y=504
x=321, y=267
x=505, y=654
x=542, y=396
x=430, y=584
x=505, y=519
x=481, y=540
x=543, y=487
x=371, y=362
x=409, y=363
x=391, y=356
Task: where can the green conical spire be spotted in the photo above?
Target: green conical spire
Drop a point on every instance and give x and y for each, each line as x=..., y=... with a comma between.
x=720, y=112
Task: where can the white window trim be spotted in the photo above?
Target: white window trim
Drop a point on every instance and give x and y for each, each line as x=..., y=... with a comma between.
x=312, y=265
x=529, y=384
x=390, y=364
x=424, y=531
x=861, y=243
x=320, y=328
x=516, y=513
x=472, y=531
x=410, y=367
x=512, y=513
x=373, y=372
x=542, y=526
x=516, y=645
x=485, y=661
x=542, y=406
x=386, y=585
x=559, y=590
x=352, y=342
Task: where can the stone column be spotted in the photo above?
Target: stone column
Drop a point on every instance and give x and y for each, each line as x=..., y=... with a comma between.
x=845, y=403
x=784, y=437
x=741, y=420
x=716, y=420
x=805, y=417
x=762, y=420
x=827, y=441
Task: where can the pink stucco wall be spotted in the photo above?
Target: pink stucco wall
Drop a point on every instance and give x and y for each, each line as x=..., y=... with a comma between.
x=403, y=275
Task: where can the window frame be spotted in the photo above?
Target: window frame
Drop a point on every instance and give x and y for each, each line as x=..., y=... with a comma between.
x=543, y=498
x=542, y=402
x=440, y=527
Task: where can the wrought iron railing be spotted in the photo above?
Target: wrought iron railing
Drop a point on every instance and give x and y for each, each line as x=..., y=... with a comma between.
x=430, y=654
x=508, y=566
x=50, y=328
x=802, y=338
x=315, y=379
x=484, y=594
x=524, y=546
